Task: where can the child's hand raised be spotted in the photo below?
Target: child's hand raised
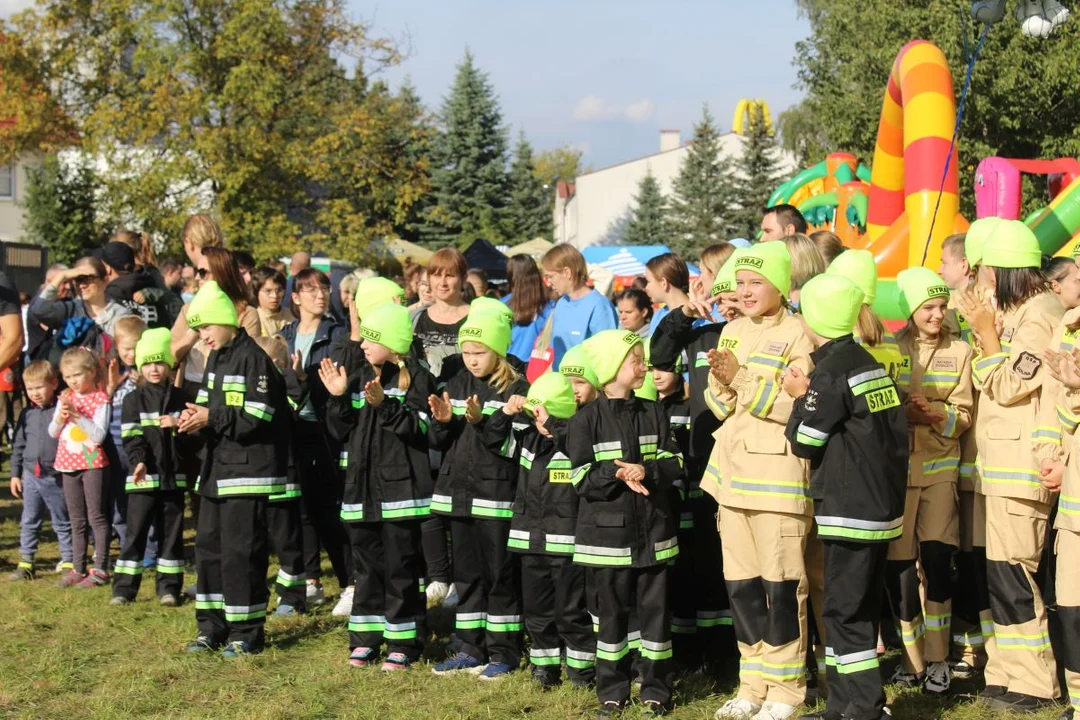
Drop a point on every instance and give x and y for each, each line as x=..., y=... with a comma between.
x=1070, y=371
x=474, y=412
x=514, y=405
x=441, y=409
x=115, y=377
x=138, y=474
x=541, y=414
x=373, y=392
x=796, y=383
x=334, y=379
x=633, y=475
x=298, y=366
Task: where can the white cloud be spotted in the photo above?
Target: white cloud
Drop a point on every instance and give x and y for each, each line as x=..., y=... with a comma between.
x=593, y=108
x=10, y=7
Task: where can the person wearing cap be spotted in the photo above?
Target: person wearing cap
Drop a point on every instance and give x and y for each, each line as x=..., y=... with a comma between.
x=155, y=488
x=936, y=381
x=241, y=410
x=762, y=489
x=542, y=531
x=859, y=267
x=1008, y=370
x=124, y=282
x=380, y=415
x=848, y=421
x=473, y=425
x=577, y=368
x=625, y=464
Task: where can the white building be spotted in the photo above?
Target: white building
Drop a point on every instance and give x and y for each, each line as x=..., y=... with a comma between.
x=594, y=209
x=13, y=178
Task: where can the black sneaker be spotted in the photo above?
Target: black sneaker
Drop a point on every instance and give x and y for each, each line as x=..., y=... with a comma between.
x=547, y=679
x=821, y=715
x=609, y=709
x=653, y=708
x=1067, y=714
x=1020, y=703
x=203, y=644
x=990, y=693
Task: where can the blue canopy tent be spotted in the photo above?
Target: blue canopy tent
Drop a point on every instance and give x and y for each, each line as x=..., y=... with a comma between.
x=626, y=261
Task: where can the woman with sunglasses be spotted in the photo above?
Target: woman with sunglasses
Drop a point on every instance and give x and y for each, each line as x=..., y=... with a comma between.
x=87, y=298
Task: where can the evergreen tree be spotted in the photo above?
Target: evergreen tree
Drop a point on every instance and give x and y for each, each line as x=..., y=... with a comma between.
x=530, y=204
x=469, y=176
x=61, y=211
x=417, y=137
x=757, y=175
x=648, y=224
x=703, y=193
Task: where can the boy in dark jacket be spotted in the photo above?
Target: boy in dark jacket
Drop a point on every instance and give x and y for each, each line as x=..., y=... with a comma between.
x=155, y=488
x=849, y=422
x=32, y=475
x=242, y=411
x=624, y=463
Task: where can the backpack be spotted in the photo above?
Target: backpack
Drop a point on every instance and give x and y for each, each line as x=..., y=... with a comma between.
x=77, y=332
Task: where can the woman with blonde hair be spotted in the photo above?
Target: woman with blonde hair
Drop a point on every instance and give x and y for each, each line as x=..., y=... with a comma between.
x=806, y=262
x=200, y=231
x=828, y=244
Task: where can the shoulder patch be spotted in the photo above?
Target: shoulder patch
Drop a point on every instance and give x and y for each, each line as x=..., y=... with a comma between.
x=945, y=364
x=810, y=402
x=776, y=347
x=1027, y=365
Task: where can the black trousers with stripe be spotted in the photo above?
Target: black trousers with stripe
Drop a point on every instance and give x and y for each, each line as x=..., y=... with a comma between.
x=387, y=603
x=165, y=511
x=287, y=542
x=557, y=616
x=232, y=556
x=616, y=592
x=854, y=581
x=321, y=484
x=486, y=574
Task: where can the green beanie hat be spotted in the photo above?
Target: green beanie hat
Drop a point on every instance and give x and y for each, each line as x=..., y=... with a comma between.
x=606, y=351
x=725, y=278
x=486, y=304
x=575, y=363
x=374, y=291
x=771, y=261
x=916, y=286
x=830, y=304
x=553, y=391
x=389, y=325
x=859, y=267
x=211, y=306
x=487, y=327
x=976, y=237
x=154, y=346
x=1012, y=245
x=648, y=389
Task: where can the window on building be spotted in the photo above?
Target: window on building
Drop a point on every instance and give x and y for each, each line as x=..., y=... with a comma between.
x=7, y=182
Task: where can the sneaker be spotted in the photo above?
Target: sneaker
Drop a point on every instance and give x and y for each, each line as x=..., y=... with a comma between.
x=608, y=709
x=120, y=600
x=903, y=679
x=738, y=709
x=462, y=662
x=190, y=592
x=990, y=693
x=775, y=711
x=396, y=661
x=71, y=579
x=285, y=610
x=938, y=678
x=25, y=571
x=149, y=563
x=361, y=657
x=343, y=608
x=94, y=578
x=436, y=593
x=496, y=671
x=238, y=648
x=315, y=593
x=962, y=669
x=1066, y=714
x=168, y=600
x=452, y=598
x=653, y=708
x=202, y=644
x=547, y=679
x=1020, y=703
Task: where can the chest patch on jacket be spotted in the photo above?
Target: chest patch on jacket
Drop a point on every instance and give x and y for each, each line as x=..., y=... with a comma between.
x=775, y=348
x=945, y=364
x=882, y=399
x=728, y=343
x=559, y=476
x=1027, y=365
x=234, y=399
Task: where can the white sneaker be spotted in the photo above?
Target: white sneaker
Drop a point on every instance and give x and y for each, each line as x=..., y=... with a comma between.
x=452, y=598
x=775, y=711
x=436, y=593
x=903, y=679
x=315, y=594
x=938, y=677
x=343, y=608
x=738, y=709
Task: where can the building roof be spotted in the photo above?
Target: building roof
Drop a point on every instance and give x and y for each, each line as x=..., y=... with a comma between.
x=650, y=155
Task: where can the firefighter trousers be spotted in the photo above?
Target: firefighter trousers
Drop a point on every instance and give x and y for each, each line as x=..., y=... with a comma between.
x=287, y=542
x=557, y=616
x=164, y=510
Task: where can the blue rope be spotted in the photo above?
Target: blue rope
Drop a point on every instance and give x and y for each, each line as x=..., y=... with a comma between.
x=956, y=133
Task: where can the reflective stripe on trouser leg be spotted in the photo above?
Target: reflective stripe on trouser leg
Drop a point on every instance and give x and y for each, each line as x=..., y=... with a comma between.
x=169, y=531
x=127, y=574
x=245, y=559
x=935, y=559
x=209, y=597
x=815, y=576
x=286, y=541
x=902, y=582
x=612, y=594
x=654, y=619
x=1015, y=536
x=538, y=607
x=1068, y=610
x=572, y=619
x=716, y=634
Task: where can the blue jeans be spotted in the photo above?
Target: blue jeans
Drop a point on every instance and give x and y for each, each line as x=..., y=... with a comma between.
x=39, y=494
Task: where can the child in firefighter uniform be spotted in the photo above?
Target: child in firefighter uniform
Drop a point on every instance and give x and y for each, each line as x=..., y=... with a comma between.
x=241, y=411
x=935, y=378
x=156, y=486
x=380, y=413
x=848, y=421
x=473, y=426
x=624, y=464
x=762, y=488
x=1009, y=372
x=545, y=518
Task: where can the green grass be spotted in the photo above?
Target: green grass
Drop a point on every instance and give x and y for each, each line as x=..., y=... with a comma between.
x=68, y=653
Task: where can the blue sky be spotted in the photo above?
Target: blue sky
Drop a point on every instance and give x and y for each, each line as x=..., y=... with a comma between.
x=602, y=75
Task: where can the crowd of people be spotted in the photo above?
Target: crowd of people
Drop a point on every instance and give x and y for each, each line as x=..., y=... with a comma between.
x=741, y=469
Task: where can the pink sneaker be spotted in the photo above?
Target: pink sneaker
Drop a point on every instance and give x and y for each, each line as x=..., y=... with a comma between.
x=362, y=657
x=94, y=578
x=71, y=579
x=396, y=661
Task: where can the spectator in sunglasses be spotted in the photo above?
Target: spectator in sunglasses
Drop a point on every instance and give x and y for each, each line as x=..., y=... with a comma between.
x=86, y=282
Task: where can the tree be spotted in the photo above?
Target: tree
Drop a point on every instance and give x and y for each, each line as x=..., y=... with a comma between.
x=648, y=225
x=702, y=192
x=561, y=163
x=1022, y=101
x=61, y=212
x=757, y=175
x=469, y=177
x=530, y=202
x=238, y=107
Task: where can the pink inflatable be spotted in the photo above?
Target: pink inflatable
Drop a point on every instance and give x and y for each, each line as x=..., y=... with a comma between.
x=998, y=183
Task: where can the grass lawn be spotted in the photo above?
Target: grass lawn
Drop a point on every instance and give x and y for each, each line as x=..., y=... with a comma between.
x=69, y=653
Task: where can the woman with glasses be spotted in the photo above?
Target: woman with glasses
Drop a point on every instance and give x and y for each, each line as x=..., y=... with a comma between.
x=269, y=287
x=87, y=298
